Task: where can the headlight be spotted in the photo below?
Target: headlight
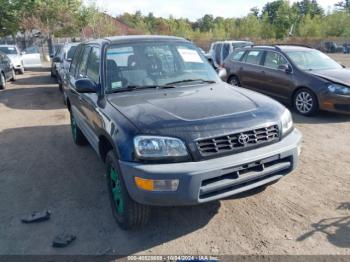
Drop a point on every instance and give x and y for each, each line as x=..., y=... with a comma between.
x=339, y=89
x=287, y=122
x=159, y=147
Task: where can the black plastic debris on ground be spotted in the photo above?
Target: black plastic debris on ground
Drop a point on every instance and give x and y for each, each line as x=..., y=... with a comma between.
x=63, y=240
x=36, y=217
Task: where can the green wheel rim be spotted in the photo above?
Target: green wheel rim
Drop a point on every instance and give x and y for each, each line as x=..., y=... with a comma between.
x=116, y=191
x=73, y=127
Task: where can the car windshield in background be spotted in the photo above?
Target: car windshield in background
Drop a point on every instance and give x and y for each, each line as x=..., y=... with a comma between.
x=155, y=64
x=312, y=60
x=8, y=50
x=71, y=52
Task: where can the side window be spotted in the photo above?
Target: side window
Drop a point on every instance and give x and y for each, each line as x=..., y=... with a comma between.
x=225, y=51
x=274, y=60
x=253, y=57
x=237, y=55
x=83, y=62
x=93, y=66
x=75, y=60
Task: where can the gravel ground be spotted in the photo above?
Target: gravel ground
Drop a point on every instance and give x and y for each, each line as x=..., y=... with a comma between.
x=308, y=212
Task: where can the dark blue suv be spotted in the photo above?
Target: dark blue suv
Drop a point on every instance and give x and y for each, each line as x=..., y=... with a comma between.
x=169, y=130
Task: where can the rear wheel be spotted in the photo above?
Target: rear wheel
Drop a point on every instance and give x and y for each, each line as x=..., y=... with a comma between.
x=233, y=80
x=305, y=102
x=128, y=213
x=78, y=137
x=2, y=81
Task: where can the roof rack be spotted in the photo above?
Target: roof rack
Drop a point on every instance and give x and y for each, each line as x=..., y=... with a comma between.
x=293, y=45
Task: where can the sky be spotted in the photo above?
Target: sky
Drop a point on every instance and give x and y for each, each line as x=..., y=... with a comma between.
x=191, y=9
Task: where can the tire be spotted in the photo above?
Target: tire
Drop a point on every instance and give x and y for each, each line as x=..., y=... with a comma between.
x=13, y=78
x=127, y=213
x=21, y=71
x=78, y=136
x=234, y=81
x=60, y=87
x=305, y=102
x=2, y=81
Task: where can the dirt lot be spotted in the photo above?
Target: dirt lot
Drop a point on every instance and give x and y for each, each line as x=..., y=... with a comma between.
x=308, y=212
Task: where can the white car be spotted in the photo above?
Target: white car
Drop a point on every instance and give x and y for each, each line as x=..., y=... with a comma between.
x=220, y=50
x=15, y=56
x=31, y=57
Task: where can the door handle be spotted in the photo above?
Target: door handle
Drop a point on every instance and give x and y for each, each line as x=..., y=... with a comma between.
x=263, y=72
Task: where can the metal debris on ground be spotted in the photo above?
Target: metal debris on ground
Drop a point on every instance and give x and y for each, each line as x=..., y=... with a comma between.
x=36, y=217
x=63, y=240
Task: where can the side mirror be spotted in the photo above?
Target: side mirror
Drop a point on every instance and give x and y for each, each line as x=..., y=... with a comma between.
x=23, y=53
x=85, y=85
x=343, y=66
x=51, y=56
x=286, y=68
x=222, y=73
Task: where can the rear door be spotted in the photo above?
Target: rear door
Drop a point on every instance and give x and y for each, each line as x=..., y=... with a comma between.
x=31, y=57
x=249, y=71
x=278, y=83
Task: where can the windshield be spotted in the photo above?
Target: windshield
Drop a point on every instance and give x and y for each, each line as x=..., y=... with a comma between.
x=312, y=60
x=9, y=50
x=71, y=52
x=156, y=64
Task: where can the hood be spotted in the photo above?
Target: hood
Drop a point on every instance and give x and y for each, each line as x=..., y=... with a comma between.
x=15, y=59
x=196, y=110
x=340, y=76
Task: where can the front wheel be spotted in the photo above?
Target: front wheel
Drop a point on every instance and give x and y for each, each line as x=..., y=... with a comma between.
x=233, y=80
x=21, y=71
x=305, y=102
x=126, y=211
x=13, y=78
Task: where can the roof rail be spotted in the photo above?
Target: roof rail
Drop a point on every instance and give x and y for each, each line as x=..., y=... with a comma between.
x=293, y=45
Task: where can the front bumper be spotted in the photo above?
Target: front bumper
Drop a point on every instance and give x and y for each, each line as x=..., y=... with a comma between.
x=218, y=178
x=335, y=103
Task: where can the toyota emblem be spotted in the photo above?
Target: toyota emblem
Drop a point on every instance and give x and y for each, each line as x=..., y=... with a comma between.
x=243, y=139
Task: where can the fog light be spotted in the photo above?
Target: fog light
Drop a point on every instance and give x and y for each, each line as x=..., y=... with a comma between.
x=157, y=185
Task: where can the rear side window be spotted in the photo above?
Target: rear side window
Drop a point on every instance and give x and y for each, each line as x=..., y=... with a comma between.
x=75, y=60
x=253, y=57
x=93, y=65
x=274, y=60
x=83, y=62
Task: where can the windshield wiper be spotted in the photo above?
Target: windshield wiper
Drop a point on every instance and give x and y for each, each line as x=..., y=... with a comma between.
x=138, y=87
x=192, y=80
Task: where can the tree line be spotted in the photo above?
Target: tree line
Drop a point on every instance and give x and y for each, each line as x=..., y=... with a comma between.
x=276, y=20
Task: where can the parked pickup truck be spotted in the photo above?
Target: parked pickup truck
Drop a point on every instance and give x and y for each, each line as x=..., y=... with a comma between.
x=169, y=130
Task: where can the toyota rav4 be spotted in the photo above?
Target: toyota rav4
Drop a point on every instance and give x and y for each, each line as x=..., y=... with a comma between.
x=169, y=130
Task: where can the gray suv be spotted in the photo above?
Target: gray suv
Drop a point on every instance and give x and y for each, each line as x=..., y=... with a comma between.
x=169, y=130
